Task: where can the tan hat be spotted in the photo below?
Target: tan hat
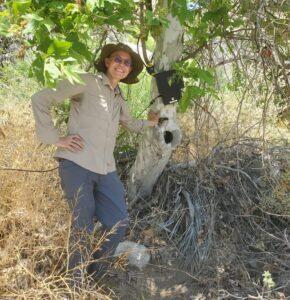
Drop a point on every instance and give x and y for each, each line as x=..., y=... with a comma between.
x=137, y=63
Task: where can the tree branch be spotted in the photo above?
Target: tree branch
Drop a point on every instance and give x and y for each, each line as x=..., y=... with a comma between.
x=194, y=53
x=234, y=59
x=143, y=30
x=103, y=38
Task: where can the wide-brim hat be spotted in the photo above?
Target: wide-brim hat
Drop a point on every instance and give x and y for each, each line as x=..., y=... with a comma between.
x=137, y=63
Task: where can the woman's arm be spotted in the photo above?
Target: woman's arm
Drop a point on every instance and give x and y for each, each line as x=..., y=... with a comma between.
x=136, y=125
x=41, y=105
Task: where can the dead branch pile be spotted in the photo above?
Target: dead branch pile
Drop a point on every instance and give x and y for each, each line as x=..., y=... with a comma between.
x=228, y=214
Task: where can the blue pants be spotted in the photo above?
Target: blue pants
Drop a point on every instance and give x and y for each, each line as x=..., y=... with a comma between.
x=92, y=196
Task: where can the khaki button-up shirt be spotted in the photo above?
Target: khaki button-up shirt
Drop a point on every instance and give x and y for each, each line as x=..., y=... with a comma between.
x=95, y=114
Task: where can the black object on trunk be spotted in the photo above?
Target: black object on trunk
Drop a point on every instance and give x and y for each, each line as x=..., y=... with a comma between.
x=170, y=86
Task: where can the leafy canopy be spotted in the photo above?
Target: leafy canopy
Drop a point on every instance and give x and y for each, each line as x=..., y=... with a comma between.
x=64, y=35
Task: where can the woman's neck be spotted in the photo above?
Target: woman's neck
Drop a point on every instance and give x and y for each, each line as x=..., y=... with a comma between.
x=113, y=81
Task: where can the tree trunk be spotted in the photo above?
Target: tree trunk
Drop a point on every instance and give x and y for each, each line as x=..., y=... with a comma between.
x=156, y=144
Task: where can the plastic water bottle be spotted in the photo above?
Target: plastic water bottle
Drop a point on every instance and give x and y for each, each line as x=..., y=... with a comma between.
x=138, y=255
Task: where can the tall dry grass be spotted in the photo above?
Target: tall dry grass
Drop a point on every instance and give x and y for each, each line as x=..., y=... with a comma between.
x=210, y=122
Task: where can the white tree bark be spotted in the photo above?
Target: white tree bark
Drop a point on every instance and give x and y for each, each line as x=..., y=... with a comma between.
x=156, y=144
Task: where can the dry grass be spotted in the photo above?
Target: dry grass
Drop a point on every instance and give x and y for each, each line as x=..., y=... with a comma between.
x=211, y=122
x=228, y=218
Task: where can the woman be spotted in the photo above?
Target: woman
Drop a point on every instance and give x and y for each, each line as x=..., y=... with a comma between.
x=86, y=163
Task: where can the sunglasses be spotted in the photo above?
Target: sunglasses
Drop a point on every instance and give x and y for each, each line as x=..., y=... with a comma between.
x=118, y=60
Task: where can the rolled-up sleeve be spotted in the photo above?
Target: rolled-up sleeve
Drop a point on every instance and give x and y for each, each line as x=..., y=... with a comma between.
x=42, y=102
x=130, y=123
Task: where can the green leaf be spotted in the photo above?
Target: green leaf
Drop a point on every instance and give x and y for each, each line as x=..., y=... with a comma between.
x=113, y=1
x=48, y=24
x=155, y=21
x=78, y=48
x=37, y=69
x=91, y=4
x=196, y=92
x=190, y=93
x=20, y=6
x=51, y=72
x=35, y=17
x=71, y=8
x=82, y=49
x=184, y=101
x=55, y=6
x=31, y=27
x=72, y=74
x=67, y=23
x=35, y=22
x=42, y=38
x=4, y=26
x=69, y=59
x=59, y=48
x=205, y=76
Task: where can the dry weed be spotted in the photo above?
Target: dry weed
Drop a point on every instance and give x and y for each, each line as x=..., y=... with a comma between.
x=213, y=214
x=211, y=122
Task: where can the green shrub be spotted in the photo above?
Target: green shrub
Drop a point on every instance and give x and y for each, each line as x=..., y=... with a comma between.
x=15, y=86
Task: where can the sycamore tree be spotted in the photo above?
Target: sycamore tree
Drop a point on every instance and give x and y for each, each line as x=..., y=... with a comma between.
x=193, y=38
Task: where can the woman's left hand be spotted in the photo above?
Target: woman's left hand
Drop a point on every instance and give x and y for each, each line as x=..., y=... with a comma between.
x=153, y=118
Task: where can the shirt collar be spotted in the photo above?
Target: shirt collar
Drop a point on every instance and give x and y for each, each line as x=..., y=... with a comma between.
x=106, y=81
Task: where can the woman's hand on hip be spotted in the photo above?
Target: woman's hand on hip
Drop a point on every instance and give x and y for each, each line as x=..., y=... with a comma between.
x=73, y=143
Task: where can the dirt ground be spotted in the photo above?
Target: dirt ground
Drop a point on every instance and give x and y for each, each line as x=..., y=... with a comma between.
x=152, y=283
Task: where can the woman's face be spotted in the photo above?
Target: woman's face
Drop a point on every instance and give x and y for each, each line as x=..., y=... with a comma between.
x=119, y=65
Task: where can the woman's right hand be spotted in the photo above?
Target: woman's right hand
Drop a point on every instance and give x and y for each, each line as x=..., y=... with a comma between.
x=73, y=143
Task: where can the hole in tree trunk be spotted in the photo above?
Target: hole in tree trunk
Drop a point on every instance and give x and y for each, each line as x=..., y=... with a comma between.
x=172, y=137
x=168, y=137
